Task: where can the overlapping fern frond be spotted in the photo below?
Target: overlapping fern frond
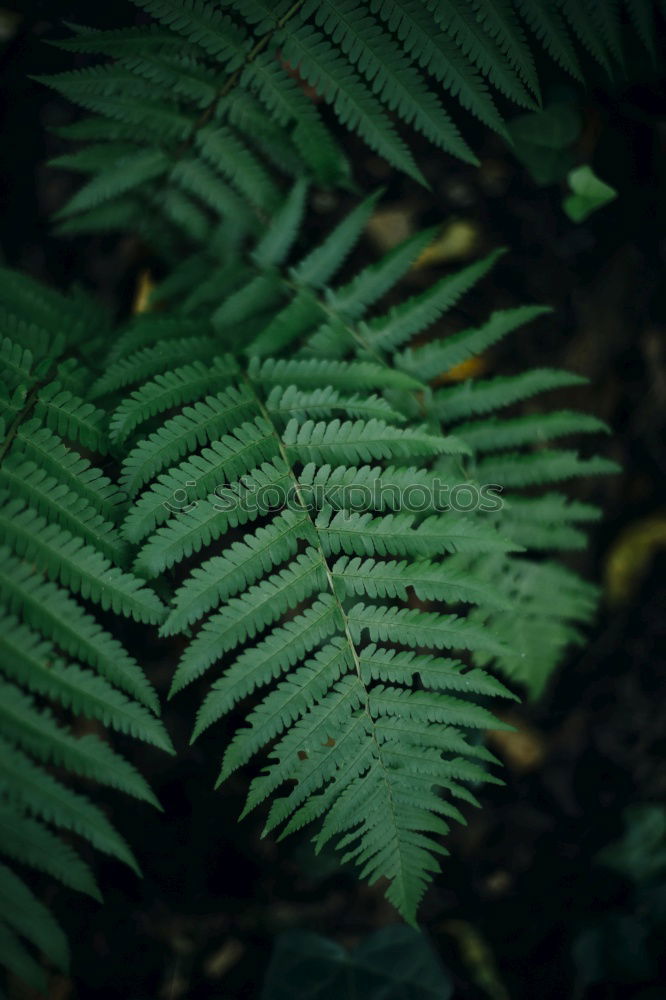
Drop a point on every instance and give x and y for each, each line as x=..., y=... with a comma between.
x=198, y=118
x=303, y=496
x=63, y=563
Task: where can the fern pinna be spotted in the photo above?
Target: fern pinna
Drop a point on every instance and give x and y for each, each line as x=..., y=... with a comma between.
x=204, y=111
x=276, y=493
x=63, y=566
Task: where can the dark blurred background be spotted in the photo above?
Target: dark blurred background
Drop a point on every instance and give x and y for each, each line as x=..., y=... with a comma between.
x=532, y=902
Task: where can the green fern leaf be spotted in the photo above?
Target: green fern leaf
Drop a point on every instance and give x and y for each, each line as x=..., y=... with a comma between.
x=60, y=542
x=32, y=844
x=318, y=62
x=128, y=172
x=47, y=798
x=202, y=24
x=38, y=733
x=29, y=917
x=419, y=34
x=297, y=565
x=389, y=73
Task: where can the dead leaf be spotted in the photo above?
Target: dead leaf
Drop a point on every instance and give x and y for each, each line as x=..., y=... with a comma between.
x=219, y=963
x=478, y=958
x=630, y=556
x=145, y=287
x=466, y=369
x=524, y=749
x=390, y=226
x=458, y=240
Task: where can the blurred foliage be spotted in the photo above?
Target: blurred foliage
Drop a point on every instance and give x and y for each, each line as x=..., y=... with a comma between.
x=395, y=963
x=625, y=945
x=544, y=140
x=640, y=854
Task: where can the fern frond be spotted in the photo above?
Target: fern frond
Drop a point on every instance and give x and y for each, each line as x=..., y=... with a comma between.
x=583, y=25
x=516, y=469
x=459, y=20
x=641, y=13
x=357, y=533
x=202, y=24
x=31, y=843
x=547, y=522
x=26, y=915
x=360, y=440
x=220, y=148
x=545, y=20
x=298, y=403
x=542, y=628
x=242, y=564
x=274, y=246
x=474, y=398
x=57, y=503
x=200, y=523
x=497, y=434
x=81, y=568
x=48, y=452
x=198, y=118
x=370, y=284
x=149, y=361
x=439, y=357
x=318, y=62
x=49, y=608
x=69, y=416
x=388, y=72
x=420, y=312
x=500, y=23
x=198, y=424
x=321, y=591
x=225, y=460
x=292, y=110
x=59, y=545
x=128, y=172
x=445, y=583
x=331, y=679
x=305, y=515
x=39, y=734
x=312, y=373
x=44, y=796
x=437, y=53
x=184, y=384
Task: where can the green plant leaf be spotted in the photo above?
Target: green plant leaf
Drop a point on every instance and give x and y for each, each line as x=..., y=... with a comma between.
x=395, y=963
x=589, y=194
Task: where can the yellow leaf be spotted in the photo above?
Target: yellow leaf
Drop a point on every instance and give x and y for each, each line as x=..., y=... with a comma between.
x=390, y=226
x=145, y=287
x=523, y=748
x=478, y=957
x=457, y=241
x=466, y=369
x=629, y=557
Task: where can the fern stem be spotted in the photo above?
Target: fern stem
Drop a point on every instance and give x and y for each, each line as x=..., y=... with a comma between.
x=331, y=583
